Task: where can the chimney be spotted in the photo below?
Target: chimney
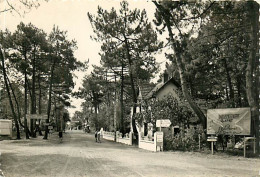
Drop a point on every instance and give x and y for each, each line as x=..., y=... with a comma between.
x=165, y=77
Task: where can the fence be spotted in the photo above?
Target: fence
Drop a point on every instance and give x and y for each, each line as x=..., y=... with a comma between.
x=119, y=139
x=108, y=135
x=155, y=144
x=125, y=140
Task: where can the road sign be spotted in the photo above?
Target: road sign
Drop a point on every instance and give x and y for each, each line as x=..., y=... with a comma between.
x=163, y=123
x=46, y=124
x=212, y=138
x=159, y=137
x=36, y=116
x=50, y=127
x=159, y=140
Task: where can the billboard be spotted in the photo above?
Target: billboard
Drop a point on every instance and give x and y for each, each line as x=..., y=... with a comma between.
x=230, y=121
x=36, y=116
x=5, y=127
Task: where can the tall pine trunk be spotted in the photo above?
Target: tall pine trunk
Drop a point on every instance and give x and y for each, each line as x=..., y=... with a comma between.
x=9, y=95
x=122, y=127
x=16, y=103
x=229, y=82
x=253, y=9
x=239, y=95
x=25, y=99
x=49, y=101
x=39, y=102
x=179, y=58
x=33, y=97
x=185, y=91
x=132, y=85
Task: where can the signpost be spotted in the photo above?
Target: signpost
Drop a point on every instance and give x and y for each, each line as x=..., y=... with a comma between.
x=212, y=139
x=159, y=140
x=163, y=123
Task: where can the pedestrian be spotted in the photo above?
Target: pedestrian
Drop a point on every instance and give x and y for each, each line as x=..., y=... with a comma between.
x=96, y=132
x=98, y=136
x=60, y=135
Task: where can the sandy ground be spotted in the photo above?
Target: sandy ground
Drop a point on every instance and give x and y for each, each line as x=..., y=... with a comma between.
x=79, y=155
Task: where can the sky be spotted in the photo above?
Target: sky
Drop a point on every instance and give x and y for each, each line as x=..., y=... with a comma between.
x=71, y=16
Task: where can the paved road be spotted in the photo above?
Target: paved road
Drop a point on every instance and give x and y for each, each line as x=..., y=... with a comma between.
x=79, y=155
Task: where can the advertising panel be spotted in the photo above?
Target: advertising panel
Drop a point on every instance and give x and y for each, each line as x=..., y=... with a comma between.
x=36, y=116
x=5, y=127
x=230, y=121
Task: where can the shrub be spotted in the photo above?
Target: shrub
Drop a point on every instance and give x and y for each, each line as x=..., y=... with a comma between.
x=186, y=140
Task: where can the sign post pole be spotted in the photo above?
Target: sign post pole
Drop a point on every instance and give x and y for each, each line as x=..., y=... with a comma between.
x=199, y=142
x=161, y=125
x=212, y=139
x=212, y=147
x=244, y=147
x=254, y=145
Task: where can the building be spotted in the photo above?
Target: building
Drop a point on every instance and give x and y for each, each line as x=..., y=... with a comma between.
x=168, y=86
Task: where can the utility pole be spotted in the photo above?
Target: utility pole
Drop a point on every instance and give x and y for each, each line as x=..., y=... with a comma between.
x=257, y=80
x=257, y=75
x=122, y=100
x=115, y=107
x=61, y=111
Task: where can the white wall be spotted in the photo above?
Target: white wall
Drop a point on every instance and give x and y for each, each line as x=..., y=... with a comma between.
x=150, y=145
x=108, y=135
x=168, y=89
x=111, y=136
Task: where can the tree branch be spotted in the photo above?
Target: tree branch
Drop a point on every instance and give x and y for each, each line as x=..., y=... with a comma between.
x=200, y=15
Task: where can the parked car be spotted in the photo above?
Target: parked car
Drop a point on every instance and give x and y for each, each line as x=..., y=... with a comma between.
x=240, y=145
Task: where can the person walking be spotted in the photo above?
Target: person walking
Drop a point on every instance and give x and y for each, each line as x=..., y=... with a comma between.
x=60, y=135
x=98, y=137
x=96, y=132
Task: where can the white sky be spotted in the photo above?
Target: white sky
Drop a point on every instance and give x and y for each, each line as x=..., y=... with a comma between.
x=71, y=16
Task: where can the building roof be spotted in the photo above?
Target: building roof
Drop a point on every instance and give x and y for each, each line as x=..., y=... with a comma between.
x=160, y=86
x=144, y=89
